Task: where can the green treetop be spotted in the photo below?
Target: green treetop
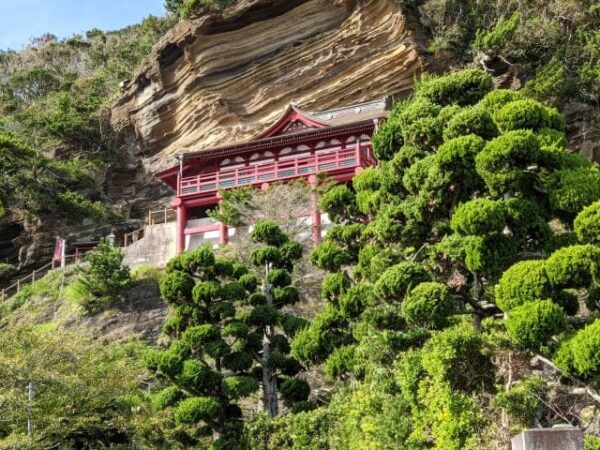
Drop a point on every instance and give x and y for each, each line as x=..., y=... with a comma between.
x=227, y=337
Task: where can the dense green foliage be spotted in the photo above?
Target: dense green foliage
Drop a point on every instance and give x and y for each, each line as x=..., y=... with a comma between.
x=227, y=338
x=463, y=218
x=187, y=8
x=104, y=280
x=54, y=136
x=85, y=393
x=554, y=45
x=470, y=247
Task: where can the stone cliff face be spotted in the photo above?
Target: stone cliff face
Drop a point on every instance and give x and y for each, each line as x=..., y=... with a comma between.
x=223, y=78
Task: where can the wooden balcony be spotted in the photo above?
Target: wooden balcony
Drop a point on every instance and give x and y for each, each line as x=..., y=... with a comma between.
x=332, y=163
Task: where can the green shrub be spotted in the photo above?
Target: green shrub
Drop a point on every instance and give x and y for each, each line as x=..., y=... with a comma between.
x=573, y=267
x=479, y=217
x=455, y=355
x=591, y=442
x=387, y=140
x=493, y=41
x=503, y=161
x=367, y=180
x=466, y=87
x=415, y=109
x=341, y=362
x=548, y=137
x=106, y=279
x=428, y=306
x=568, y=301
x=354, y=301
x=329, y=256
x=455, y=160
x=327, y=331
x=339, y=202
x=78, y=207
x=531, y=324
x=522, y=114
x=334, y=285
x=580, y=355
x=587, y=224
x=6, y=270
x=266, y=255
x=523, y=282
x=240, y=386
x=474, y=120
x=295, y=390
x=396, y=282
x=550, y=85
x=418, y=173
x=526, y=220
x=194, y=409
x=572, y=190
x=496, y=99
x=167, y=397
x=424, y=134
x=176, y=286
x=269, y=233
x=524, y=400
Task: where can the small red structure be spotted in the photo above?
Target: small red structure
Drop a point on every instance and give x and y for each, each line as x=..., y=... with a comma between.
x=299, y=145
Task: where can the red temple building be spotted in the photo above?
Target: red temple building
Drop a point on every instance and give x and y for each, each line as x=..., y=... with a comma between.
x=336, y=143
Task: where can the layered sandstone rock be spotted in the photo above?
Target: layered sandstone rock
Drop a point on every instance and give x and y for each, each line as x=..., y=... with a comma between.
x=223, y=78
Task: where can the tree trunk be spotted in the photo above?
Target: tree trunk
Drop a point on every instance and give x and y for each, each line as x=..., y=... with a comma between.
x=270, y=397
x=476, y=295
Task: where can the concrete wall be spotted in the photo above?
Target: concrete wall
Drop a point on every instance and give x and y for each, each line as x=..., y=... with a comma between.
x=557, y=438
x=156, y=248
x=158, y=245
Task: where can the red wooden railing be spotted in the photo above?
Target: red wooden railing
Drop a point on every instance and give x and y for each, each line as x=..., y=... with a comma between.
x=278, y=170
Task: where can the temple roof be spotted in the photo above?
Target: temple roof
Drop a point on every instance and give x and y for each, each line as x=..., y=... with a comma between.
x=355, y=113
x=295, y=126
x=296, y=121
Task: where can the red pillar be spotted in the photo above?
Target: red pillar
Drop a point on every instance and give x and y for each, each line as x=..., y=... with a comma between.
x=315, y=212
x=181, y=224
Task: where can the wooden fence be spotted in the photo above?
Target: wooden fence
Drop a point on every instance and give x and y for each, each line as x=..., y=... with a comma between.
x=35, y=275
x=16, y=287
x=154, y=217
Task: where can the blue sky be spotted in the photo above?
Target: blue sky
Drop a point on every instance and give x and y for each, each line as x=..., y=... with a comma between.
x=20, y=20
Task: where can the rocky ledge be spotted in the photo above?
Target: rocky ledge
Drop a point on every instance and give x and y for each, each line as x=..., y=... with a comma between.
x=224, y=77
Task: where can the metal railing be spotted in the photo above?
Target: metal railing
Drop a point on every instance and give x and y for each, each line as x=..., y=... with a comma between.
x=278, y=170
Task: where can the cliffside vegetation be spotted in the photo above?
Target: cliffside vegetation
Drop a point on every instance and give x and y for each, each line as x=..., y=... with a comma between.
x=186, y=8
x=553, y=45
x=461, y=279
x=472, y=248
x=54, y=132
